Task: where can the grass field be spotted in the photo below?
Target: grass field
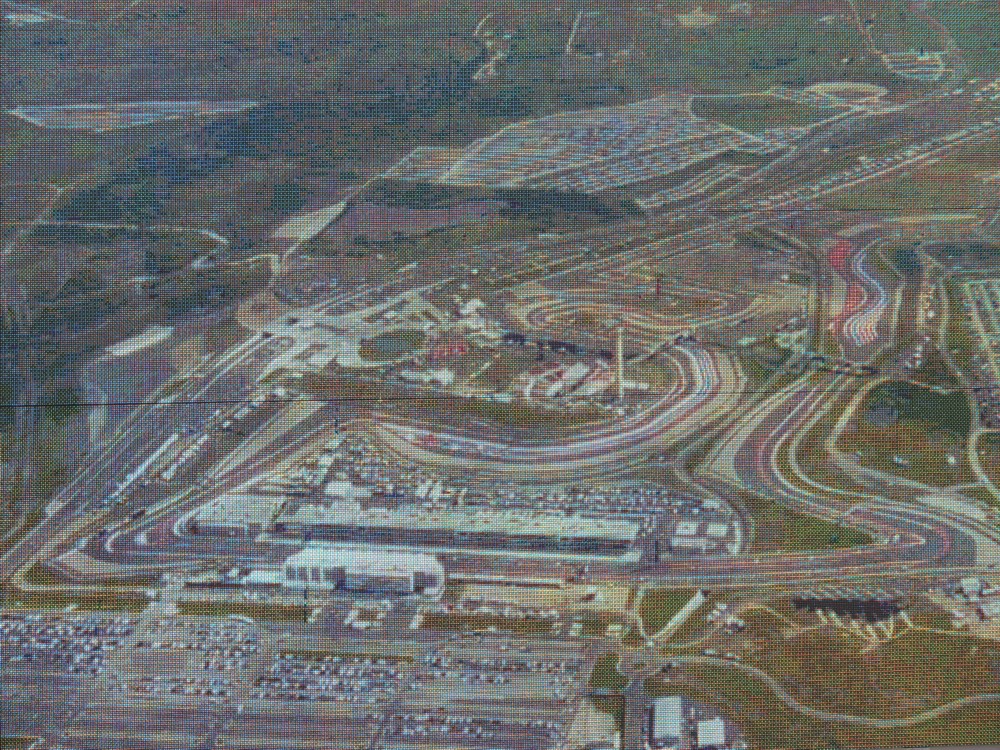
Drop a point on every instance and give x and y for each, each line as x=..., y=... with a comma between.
x=922, y=434
x=757, y=113
x=256, y=611
x=760, y=361
x=9, y=742
x=973, y=25
x=896, y=28
x=944, y=186
x=40, y=575
x=771, y=725
x=958, y=337
x=781, y=530
x=989, y=453
x=940, y=411
x=916, y=671
x=606, y=676
x=657, y=606
x=111, y=600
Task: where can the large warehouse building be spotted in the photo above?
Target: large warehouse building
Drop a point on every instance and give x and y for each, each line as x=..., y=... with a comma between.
x=362, y=568
x=667, y=721
x=478, y=527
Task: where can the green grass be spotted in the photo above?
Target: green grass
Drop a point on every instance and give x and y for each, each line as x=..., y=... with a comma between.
x=942, y=411
x=982, y=494
x=913, y=673
x=605, y=675
x=62, y=404
x=896, y=28
x=973, y=25
x=924, y=434
x=111, y=600
x=7, y=524
x=754, y=114
x=762, y=360
x=779, y=529
x=40, y=575
x=941, y=187
x=770, y=725
x=989, y=451
x=959, y=338
x=631, y=638
x=595, y=625
x=10, y=742
x=935, y=372
x=256, y=611
x=826, y=668
x=657, y=606
x=485, y=622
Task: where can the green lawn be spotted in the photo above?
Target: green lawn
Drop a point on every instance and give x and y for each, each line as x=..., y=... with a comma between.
x=754, y=114
x=914, y=431
x=39, y=575
x=256, y=611
x=769, y=724
x=657, y=606
x=111, y=600
x=9, y=742
x=606, y=675
x=779, y=529
x=942, y=411
x=7, y=524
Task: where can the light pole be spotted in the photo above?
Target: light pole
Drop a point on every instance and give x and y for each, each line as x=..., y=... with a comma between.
x=620, y=357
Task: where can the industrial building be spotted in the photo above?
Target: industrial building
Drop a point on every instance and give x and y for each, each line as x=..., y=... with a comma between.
x=711, y=734
x=667, y=721
x=365, y=569
x=480, y=527
x=235, y=513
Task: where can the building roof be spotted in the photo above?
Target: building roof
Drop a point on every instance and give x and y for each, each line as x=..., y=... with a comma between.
x=238, y=509
x=990, y=607
x=668, y=716
x=370, y=559
x=478, y=519
x=263, y=577
x=711, y=732
x=346, y=490
x=687, y=528
x=717, y=530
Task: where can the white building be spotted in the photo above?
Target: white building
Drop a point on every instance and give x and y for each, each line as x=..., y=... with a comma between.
x=687, y=528
x=711, y=733
x=668, y=720
x=363, y=568
x=717, y=530
x=236, y=513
